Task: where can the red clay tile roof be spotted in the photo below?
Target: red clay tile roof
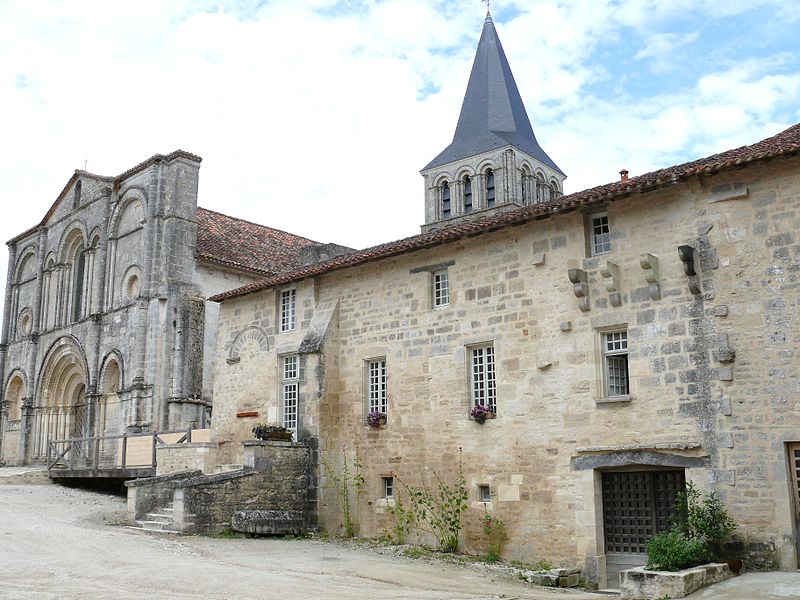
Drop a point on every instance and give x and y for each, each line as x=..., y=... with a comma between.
x=241, y=244
x=785, y=143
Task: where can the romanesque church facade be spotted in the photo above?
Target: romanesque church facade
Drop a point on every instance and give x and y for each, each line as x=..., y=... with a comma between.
x=580, y=356
x=106, y=327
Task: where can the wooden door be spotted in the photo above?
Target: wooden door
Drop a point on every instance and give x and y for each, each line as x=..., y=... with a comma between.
x=794, y=468
x=636, y=506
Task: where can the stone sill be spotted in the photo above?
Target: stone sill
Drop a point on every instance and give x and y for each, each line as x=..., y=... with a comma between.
x=641, y=584
x=613, y=399
x=676, y=445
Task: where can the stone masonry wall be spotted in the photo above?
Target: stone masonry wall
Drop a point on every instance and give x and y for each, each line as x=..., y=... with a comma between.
x=712, y=362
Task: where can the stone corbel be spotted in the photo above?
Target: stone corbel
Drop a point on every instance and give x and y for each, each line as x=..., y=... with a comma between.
x=610, y=273
x=580, y=287
x=650, y=265
x=686, y=254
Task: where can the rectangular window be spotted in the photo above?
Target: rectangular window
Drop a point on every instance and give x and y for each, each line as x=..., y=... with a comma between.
x=482, y=374
x=290, y=386
x=288, y=309
x=615, y=359
x=441, y=289
x=601, y=240
x=376, y=386
x=484, y=493
x=388, y=487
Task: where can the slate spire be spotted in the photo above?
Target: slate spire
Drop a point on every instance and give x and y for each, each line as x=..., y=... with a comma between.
x=492, y=114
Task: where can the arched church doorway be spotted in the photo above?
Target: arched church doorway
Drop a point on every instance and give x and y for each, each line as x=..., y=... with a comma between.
x=108, y=407
x=61, y=410
x=15, y=394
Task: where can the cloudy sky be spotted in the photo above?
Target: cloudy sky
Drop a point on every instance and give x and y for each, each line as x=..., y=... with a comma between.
x=315, y=116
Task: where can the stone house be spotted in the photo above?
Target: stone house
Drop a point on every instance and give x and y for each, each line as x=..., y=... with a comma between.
x=626, y=339
x=106, y=328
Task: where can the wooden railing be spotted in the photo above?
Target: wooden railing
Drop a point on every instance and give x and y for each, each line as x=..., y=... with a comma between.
x=128, y=451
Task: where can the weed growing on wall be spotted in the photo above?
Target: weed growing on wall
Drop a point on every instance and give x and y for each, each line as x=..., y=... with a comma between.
x=440, y=509
x=495, y=531
x=346, y=481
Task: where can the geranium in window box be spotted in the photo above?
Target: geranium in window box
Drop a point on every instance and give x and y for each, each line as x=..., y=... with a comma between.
x=481, y=412
x=376, y=419
x=272, y=432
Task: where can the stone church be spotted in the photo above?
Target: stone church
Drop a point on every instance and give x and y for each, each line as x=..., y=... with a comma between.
x=581, y=356
x=106, y=328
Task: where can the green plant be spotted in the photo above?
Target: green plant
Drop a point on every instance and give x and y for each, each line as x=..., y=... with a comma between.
x=403, y=519
x=417, y=552
x=441, y=509
x=541, y=565
x=703, y=518
x=496, y=536
x=346, y=479
x=671, y=550
x=700, y=526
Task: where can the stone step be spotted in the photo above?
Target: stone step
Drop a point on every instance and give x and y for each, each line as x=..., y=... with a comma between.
x=227, y=468
x=160, y=518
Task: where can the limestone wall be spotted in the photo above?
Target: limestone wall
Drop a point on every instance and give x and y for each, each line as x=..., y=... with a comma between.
x=711, y=373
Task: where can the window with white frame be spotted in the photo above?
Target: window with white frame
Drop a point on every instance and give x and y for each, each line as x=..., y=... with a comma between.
x=483, y=383
x=376, y=386
x=290, y=384
x=388, y=487
x=615, y=363
x=441, y=288
x=288, y=309
x=600, y=232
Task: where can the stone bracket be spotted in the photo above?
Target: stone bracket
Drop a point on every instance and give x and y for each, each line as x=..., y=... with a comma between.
x=610, y=274
x=686, y=254
x=580, y=287
x=649, y=263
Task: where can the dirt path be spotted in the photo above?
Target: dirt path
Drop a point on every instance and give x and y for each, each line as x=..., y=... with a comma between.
x=63, y=543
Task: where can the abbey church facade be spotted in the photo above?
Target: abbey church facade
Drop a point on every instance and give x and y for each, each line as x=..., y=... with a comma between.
x=580, y=356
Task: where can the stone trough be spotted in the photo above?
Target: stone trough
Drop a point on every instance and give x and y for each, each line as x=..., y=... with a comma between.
x=641, y=584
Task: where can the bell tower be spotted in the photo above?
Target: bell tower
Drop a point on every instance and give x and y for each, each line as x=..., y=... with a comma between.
x=494, y=162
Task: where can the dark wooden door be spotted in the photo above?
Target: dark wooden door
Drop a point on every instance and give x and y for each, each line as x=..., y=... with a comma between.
x=636, y=506
x=794, y=467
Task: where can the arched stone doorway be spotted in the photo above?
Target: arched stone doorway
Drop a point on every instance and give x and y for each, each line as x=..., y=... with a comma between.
x=61, y=410
x=14, y=396
x=108, y=407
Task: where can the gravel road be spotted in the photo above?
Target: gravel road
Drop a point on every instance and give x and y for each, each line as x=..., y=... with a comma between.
x=59, y=542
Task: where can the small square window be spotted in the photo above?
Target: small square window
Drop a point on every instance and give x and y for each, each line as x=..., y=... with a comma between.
x=288, y=309
x=600, y=234
x=388, y=487
x=615, y=363
x=441, y=289
x=484, y=493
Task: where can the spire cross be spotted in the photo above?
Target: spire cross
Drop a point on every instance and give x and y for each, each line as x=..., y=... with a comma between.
x=488, y=6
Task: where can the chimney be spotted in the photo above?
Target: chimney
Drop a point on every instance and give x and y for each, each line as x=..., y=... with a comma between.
x=623, y=175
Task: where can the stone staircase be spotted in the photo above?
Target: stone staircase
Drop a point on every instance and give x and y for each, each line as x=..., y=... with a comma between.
x=163, y=521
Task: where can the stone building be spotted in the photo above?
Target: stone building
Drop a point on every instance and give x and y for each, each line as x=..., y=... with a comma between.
x=626, y=339
x=106, y=328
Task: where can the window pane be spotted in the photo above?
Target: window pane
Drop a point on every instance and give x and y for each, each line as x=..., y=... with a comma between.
x=290, y=367
x=290, y=406
x=617, y=372
x=601, y=241
x=484, y=391
x=441, y=289
x=377, y=386
x=288, y=309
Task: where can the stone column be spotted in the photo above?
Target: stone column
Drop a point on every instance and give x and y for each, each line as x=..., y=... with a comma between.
x=111, y=271
x=479, y=191
x=88, y=282
x=457, y=198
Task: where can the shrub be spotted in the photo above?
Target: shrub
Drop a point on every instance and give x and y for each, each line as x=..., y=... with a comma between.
x=495, y=531
x=671, y=551
x=703, y=518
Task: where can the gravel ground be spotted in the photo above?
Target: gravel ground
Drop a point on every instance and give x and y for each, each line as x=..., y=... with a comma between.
x=59, y=542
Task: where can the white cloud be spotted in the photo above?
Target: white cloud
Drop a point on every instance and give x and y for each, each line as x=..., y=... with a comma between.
x=316, y=120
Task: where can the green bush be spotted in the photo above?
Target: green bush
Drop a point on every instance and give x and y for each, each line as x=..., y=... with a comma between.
x=703, y=518
x=671, y=551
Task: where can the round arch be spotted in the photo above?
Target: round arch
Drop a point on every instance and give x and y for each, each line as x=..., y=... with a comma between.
x=109, y=412
x=131, y=196
x=61, y=409
x=15, y=392
x=26, y=259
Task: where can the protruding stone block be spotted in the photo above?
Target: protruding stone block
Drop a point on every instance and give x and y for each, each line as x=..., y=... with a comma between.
x=649, y=262
x=580, y=287
x=610, y=273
